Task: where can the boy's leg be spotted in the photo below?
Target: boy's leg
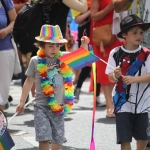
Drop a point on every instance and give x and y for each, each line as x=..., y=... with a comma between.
x=124, y=130
x=44, y=145
x=55, y=147
x=141, y=144
x=125, y=146
x=140, y=130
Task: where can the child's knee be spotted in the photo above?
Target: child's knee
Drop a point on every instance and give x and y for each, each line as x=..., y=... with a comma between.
x=44, y=142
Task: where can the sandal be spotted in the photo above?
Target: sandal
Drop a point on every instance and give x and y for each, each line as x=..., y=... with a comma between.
x=109, y=113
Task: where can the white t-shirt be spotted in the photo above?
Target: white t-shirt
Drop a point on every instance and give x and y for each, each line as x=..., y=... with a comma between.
x=133, y=98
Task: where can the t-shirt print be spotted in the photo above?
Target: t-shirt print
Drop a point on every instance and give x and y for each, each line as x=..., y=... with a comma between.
x=54, y=74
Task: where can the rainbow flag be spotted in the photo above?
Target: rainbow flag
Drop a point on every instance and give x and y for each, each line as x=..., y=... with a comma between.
x=79, y=58
x=6, y=142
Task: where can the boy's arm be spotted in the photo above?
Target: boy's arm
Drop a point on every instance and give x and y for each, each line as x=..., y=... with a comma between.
x=121, y=5
x=25, y=91
x=136, y=79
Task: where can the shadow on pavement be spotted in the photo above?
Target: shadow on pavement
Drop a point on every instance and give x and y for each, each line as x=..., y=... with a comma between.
x=106, y=120
x=89, y=109
x=63, y=148
x=28, y=149
x=13, y=131
x=29, y=123
x=68, y=119
x=72, y=148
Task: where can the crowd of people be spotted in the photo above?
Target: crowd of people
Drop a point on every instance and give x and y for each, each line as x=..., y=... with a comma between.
x=124, y=80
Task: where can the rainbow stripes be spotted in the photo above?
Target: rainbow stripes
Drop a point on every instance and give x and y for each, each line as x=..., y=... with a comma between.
x=51, y=34
x=6, y=142
x=79, y=58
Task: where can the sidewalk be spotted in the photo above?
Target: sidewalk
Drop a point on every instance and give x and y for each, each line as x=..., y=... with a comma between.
x=78, y=125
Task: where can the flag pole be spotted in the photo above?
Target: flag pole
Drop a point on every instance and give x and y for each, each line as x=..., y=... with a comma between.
x=17, y=112
x=107, y=63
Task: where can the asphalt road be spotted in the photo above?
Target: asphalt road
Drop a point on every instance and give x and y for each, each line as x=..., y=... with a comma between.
x=78, y=124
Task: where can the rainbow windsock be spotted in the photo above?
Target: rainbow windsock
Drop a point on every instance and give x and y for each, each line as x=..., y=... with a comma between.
x=6, y=142
x=79, y=58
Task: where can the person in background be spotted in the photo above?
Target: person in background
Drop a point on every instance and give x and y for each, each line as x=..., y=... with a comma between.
x=84, y=20
x=131, y=95
x=69, y=45
x=7, y=54
x=133, y=6
x=102, y=14
x=50, y=104
x=23, y=58
x=19, y=4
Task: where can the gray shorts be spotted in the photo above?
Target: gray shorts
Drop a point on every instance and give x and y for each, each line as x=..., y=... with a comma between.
x=48, y=125
x=130, y=125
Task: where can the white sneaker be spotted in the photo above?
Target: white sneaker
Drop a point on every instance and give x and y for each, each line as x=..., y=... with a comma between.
x=76, y=95
x=99, y=103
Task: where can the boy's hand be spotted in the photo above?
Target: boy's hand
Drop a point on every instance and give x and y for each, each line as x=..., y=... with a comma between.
x=128, y=80
x=117, y=72
x=85, y=40
x=20, y=107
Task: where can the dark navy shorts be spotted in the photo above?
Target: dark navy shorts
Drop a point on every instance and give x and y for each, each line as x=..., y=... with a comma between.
x=130, y=125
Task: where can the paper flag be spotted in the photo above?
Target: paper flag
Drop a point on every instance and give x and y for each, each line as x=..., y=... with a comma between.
x=79, y=58
x=6, y=142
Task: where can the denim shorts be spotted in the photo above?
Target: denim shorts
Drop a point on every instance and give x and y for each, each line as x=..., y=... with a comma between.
x=130, y=125
x=49, y=126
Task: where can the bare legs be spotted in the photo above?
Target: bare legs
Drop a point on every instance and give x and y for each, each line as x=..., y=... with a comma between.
x=44, y=145
x=2, y=107
x=141, y=145
x=107, y=88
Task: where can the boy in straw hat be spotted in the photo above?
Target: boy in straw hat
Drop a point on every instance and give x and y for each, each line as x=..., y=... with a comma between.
x=54, y=88
x=131, y=94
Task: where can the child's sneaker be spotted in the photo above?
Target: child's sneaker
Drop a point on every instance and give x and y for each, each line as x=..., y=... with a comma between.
x=76, y=95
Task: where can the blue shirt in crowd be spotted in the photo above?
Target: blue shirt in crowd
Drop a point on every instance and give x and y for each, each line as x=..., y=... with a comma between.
x=5, y=44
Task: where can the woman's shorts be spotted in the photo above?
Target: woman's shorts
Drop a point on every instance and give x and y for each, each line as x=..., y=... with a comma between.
x=49, y=126
x=130, y=125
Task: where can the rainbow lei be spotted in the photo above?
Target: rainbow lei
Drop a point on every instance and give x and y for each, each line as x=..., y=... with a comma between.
x=48, y=90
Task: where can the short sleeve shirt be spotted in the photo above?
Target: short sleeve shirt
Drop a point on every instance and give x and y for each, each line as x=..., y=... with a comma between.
x=134, y=98
x=5, y=44
x=55, y=79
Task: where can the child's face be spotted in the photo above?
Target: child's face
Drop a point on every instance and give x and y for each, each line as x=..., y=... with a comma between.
x=134, y=36
x=51, y=49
